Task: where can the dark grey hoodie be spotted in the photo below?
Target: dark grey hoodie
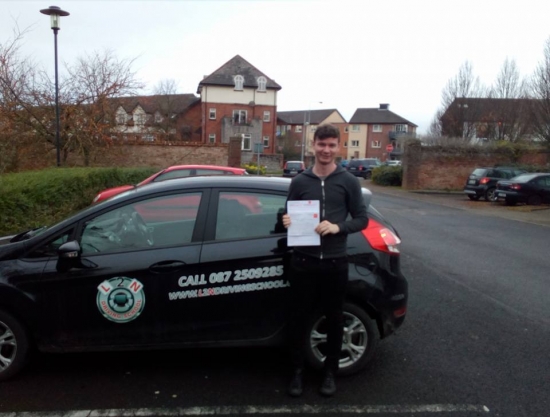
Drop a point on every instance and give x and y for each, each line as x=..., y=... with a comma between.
x=339, y=194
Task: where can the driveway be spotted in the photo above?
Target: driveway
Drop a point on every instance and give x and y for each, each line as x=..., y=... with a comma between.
x=530, y=214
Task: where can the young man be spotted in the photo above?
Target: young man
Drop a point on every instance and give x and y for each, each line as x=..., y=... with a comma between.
x=319, y=274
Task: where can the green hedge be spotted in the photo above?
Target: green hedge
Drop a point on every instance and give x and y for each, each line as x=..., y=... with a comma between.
x=387, y=175
x=37, y=198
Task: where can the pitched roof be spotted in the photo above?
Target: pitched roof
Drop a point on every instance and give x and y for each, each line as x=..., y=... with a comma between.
x=237, y=66
x=298, y=117
x=172, y=103
x=378, y=116
x=486, y=109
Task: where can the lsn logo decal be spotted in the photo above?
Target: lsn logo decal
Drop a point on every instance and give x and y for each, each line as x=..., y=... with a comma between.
x=121, y=299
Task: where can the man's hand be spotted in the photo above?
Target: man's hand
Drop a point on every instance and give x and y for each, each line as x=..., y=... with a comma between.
x=286, y=220
x=327, y=228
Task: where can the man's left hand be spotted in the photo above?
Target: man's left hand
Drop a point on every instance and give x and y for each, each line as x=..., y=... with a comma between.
x=327, y=228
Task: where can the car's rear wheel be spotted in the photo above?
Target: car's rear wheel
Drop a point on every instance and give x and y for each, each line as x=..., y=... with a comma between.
x=359, y=341
x=490, y=194
x=14, y=346
x=473, y=197
x=534, y=200
x=510, y=202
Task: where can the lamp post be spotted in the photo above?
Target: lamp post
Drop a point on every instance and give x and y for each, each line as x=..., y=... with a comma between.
x=55, y=14
x=304, y=131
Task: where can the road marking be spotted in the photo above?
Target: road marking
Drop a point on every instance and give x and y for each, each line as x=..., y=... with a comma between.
x=256, y=410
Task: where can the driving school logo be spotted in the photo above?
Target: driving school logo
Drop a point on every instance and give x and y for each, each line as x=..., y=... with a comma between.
x=120, y=299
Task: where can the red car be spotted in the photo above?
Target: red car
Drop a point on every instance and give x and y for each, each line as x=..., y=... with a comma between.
x=176, y=171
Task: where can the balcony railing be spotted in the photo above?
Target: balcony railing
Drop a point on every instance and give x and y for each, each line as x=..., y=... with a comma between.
x=396, y=135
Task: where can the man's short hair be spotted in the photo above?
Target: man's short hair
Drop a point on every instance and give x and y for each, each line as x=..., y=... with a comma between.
x=327, y=131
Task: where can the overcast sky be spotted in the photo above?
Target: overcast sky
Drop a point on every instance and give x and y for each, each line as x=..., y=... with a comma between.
x=346, y=54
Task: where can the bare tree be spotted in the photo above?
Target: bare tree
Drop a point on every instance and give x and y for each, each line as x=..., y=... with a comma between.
x=457, y=116
x=506, y=114
x=166, y=101
x=539, y=89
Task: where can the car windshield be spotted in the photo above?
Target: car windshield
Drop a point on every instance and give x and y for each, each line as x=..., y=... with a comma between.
x=294, y=165
x=524, y=177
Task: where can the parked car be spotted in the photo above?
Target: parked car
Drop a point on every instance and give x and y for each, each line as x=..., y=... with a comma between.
x=532, y=188
x=363, y=167
x=344, y=163
x=293, y=168
x=121, y=275
x=176, y=171
x=393, y=163
x=482, y=182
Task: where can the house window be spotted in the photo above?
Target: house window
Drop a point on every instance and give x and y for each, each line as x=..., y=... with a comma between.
x=239, y=81
x=346, y=129
x=246, y=142
x=298, y=143
x=313, y=128
x=375, y=144
x=355, y=128
x=354, y=143
x=148, y=138
x=158, y=117
x=298, y=129
x=401, y=128
x=345, y=144
x=376, y=128
x=212, y=114
x=139, y=118
x=212, y=138
x=261, y=83
x=266, y=141
x=121, y=118
x=267, y=116
x=239, y=117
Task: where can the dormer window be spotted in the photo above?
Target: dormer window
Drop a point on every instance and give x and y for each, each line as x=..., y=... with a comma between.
x=239, y=81
x=261, y=83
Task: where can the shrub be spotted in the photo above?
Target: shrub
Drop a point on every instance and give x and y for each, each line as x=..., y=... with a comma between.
x=37, y=198
x=387, y=175
x=252, y=168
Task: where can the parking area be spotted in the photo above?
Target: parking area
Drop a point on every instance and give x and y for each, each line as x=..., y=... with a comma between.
x=531, y=214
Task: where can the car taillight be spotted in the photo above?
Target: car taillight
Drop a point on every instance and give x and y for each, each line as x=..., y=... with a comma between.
x=381, y=238
x=515, y=186
x=484, y=180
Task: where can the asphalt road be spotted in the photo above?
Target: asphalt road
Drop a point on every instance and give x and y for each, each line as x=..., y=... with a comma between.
x=475, y=341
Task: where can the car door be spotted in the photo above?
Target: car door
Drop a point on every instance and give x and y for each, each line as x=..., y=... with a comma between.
x=114, y=293
x=242, y=291
x=545, y=189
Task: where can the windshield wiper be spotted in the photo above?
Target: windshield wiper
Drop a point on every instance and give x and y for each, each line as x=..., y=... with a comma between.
x=27, y=234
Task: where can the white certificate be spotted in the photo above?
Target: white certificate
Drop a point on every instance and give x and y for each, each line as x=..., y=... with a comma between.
x=304, y=218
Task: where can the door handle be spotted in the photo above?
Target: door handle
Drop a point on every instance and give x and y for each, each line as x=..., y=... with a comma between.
x=167, y=266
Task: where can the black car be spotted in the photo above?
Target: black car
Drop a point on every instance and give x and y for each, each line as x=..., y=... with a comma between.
x=293, y=168
x=482, y=182
x=531, y=188
x=363, y=167
x=193, y=262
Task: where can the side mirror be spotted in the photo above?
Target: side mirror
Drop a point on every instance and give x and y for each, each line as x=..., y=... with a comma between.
x=69, y=250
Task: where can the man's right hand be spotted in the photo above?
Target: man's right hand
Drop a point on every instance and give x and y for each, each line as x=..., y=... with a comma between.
x=286, y=220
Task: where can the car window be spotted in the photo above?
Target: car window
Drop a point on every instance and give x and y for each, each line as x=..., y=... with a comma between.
x=479, y=172
x=294, y=165
x=247, y=215
x=152, y=223
x=177, y=173
x=210, y=172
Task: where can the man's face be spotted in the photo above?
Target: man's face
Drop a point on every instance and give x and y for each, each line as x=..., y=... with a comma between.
x=326, y=150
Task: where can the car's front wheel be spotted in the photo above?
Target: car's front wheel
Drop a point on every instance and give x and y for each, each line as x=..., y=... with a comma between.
x=14, y=346
x=490, y=194
x=359, y=341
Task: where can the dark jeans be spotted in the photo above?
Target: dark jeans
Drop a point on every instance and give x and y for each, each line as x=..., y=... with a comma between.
x=317, y=285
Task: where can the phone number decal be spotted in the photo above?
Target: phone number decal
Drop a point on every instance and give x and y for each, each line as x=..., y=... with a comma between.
x=226, y=276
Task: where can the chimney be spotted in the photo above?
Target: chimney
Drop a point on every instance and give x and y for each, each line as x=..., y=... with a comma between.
x=384, y=106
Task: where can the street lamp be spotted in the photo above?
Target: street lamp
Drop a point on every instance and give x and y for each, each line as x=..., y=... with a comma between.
x=55, y=14
x=304, y=131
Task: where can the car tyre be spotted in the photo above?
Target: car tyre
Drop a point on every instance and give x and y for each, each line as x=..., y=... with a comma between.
x=359, y=341
x=534, y=200
x=14, y=346
x=473, y=197
x=510, y=202
x=490, y=194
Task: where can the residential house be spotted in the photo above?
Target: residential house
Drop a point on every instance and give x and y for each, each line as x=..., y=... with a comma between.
x=239, y=100
x=151, y=118
x=481, y=119
x=377, y=133
x=299, y=127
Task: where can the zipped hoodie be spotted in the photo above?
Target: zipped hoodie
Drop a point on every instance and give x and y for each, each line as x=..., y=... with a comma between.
x=339, y=194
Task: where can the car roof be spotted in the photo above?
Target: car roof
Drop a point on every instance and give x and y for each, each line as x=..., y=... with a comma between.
x=217, y=167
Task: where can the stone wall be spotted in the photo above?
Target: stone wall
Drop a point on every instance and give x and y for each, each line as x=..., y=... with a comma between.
x=440, y=168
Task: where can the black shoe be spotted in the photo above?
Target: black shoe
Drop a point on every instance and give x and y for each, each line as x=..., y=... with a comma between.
x=296, y=386
x=328, y=386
